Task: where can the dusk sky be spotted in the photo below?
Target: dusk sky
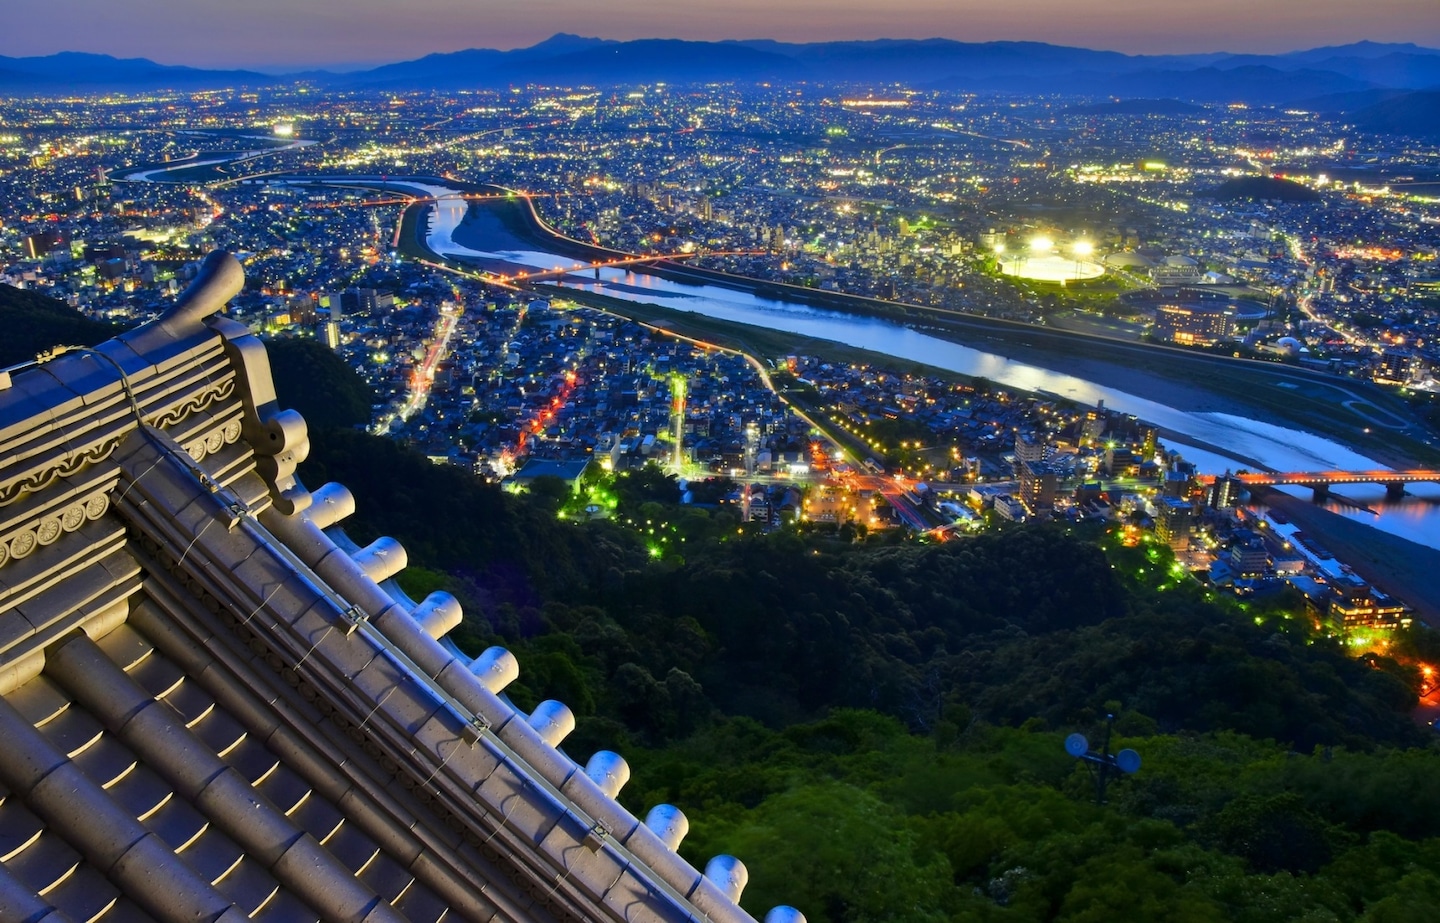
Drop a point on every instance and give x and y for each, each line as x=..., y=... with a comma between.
x=275, y=34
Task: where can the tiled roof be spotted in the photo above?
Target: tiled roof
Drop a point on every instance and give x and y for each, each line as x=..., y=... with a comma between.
x=213, y=711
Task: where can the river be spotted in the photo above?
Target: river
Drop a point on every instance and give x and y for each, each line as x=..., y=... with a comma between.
x=1417, y=517
x=489, y=246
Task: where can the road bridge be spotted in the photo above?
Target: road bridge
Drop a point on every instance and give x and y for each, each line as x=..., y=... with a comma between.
x=1321, y=481
x=597, y=265
x=401, y=199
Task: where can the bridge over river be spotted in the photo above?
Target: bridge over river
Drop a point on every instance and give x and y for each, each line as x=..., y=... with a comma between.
x=1321, y=481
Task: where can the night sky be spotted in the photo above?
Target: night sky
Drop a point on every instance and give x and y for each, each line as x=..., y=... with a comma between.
x=280, y=34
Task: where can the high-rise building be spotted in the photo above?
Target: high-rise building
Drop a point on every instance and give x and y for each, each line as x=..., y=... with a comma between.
x=40, y=245
x=1174, y=521
x=1038, y=486
x=1397, y=366
x=1194, y=324
x=1225, y=491
x=1149, y=441
x=1032, y=447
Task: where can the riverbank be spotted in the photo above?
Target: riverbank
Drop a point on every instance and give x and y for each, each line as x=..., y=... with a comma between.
x=1254, y=399
x=1352, y=413
x=1396, y=566
x=1237, y=397
x=762, y=342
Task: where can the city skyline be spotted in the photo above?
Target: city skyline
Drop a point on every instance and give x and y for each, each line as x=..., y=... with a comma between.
x=274, y=35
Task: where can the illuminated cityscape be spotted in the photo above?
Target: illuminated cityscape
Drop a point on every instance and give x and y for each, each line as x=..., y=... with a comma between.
x=679, y=319
x=942, y=200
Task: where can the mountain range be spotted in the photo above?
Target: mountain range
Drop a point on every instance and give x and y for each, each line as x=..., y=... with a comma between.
x=1348, y=76
x=83, y=71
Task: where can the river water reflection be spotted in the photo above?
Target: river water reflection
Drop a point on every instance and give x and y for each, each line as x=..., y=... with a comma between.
x=1416, y=518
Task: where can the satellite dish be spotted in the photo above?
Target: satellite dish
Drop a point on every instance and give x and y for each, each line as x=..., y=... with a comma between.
x=1077, y=745
x=1128, y=762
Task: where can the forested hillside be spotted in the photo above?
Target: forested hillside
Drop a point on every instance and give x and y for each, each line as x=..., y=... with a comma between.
x=31, y=323
x=875, y=725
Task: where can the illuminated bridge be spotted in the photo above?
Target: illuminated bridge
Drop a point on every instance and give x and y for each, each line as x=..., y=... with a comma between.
x=1322, y=481
x=401, y=199
x=595, y=267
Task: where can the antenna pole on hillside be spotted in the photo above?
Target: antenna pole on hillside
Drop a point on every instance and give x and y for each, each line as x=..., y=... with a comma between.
x=1103, y=764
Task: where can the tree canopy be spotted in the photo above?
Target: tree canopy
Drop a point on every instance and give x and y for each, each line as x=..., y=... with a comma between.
x=876, y=725
x=34, y=323
x=316, y=382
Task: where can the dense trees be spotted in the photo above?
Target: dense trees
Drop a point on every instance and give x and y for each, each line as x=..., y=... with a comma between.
x=875, y=726
x=511, y=552
x=319, y=384
x=854, y=817
x=35, y=322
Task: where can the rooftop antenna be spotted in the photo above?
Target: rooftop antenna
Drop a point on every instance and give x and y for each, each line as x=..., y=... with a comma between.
x=1102, y=764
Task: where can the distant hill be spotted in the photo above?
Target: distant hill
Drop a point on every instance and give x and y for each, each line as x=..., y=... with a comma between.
x=1254, y=84
x=1263, y=187
x=662, y=59
x=1392, y=70
x=933, y=59
x=1348, y=102
x=1363, y=49
x=71, y=70
x=1396, y=65
x=472, y=67
x=988, y=67
x=1137, y=107
x=572, y=60
x=33, y=323
x=1414, y=114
